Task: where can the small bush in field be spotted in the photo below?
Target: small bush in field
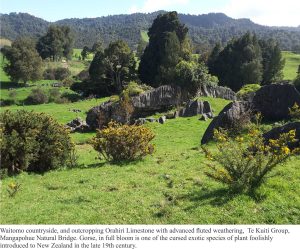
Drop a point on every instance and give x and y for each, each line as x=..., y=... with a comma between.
x=49, y=74
x=59, y=73
x=243, y=163
x=123, y=142
x=54, y=94
x=32, y=142
x=68, y=82
x=36, y=97
x=62, y=73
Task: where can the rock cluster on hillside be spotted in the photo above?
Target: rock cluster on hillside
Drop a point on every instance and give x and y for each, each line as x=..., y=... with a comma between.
x=272, y=101
x=148, y=103
x=216, y=92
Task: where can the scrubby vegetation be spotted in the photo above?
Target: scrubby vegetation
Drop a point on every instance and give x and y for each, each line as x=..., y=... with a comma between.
x=123, y=142
x=253, y=159
x=32, y=142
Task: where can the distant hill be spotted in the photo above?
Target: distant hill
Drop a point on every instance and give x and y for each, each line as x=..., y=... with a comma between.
x=205, y=30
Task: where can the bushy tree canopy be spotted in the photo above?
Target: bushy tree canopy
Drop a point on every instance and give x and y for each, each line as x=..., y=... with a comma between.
x=272, y=61
x=57, y=43
x=239, y=63
x=113, y=67
x=168, y=45
x=24, y=63
x=246, y=60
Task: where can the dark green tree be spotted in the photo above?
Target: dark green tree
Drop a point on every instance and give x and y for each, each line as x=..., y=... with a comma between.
x=239, y=63
x=24, y=63
x=212, y=59
x=168, y=44
x=84, y=53
x=113, y=67
x=272, y=61
x=57, y=43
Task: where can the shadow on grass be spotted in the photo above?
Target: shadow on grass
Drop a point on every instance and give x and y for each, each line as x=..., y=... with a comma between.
x=8, y=84
x=218, y=197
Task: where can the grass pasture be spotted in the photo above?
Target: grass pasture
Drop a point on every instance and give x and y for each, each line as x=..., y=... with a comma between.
x=292, y=61
x=144, y=36
x=168, y=187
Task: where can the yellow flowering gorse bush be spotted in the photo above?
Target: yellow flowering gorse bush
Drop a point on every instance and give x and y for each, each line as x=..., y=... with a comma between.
x=123, y=142
x=244, y=162
x=294, y=112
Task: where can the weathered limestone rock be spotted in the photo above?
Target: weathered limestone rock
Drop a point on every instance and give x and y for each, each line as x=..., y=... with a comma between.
x=158, y=99
x=194, y=108
x=162, y=119
x=203, y=117
x=78, y=125
x=145, y=104
x=273, y=101
x=226, y=119
x=217, y=92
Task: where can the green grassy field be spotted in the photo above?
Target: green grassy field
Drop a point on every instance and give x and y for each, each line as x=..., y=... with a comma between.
x=168, y=187
x=144, y=36
x=98, y=192
x=292, y=61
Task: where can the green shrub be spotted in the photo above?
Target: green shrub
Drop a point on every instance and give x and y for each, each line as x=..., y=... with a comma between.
x=59, y=73
x=246, y=90
x=36, y=97
x=123, y=142
x=134, y=89
x=68, y=82
x=243, y=163
x=62, y=73
x=32, y=142
x=54, y=94
x=49, y=74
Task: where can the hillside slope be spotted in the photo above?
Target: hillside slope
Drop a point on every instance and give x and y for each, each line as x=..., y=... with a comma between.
x=205, y=30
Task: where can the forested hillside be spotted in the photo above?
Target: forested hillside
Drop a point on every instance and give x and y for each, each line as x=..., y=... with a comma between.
x=204, y=30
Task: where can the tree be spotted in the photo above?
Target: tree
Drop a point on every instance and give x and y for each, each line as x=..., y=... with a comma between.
x=97, y=47
x=24, y=63
x=113, y=67
x=57, y=43
x=211, y=62
x=239, y=63
x=84, y=53
x=272, y=61
x=168, y=44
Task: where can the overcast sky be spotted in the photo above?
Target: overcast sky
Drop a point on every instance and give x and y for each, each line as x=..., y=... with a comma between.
x=265, y=12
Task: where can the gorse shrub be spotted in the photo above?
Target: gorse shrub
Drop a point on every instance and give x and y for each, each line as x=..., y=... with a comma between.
x=243, y=163
x=32, y=142
x=123, y=142
x=294, y=112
